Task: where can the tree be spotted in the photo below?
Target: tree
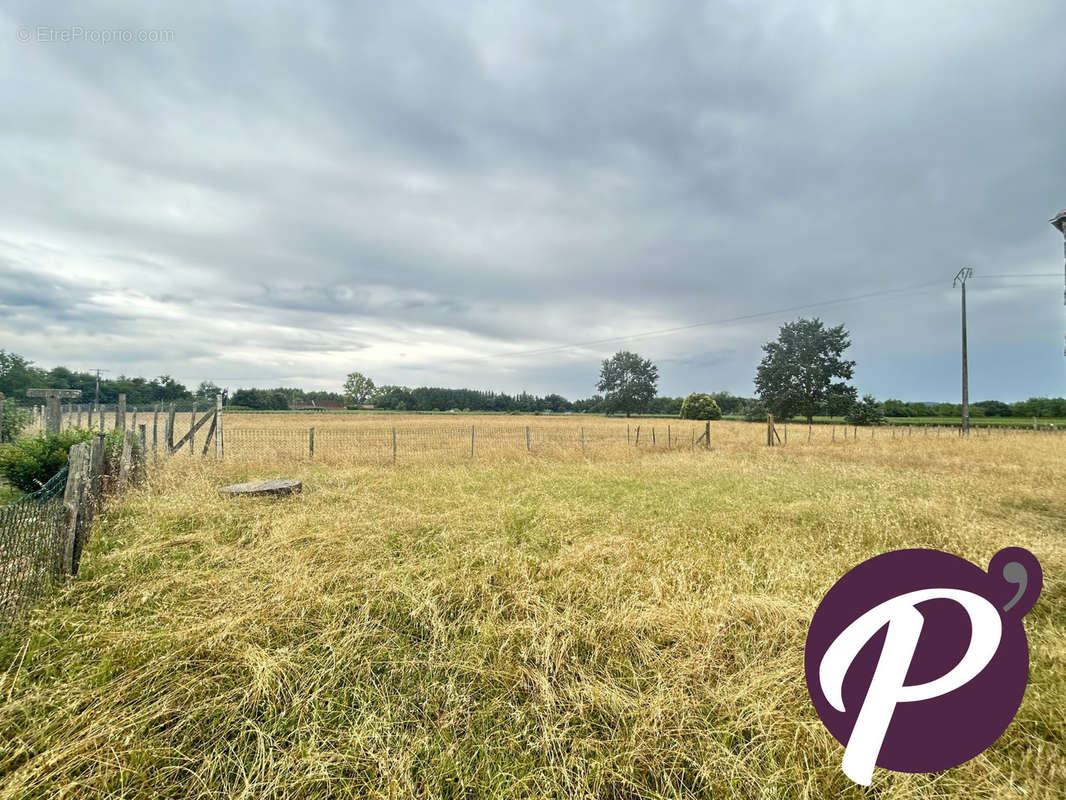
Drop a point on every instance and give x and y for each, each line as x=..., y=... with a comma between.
x=358, y=389
x=799, y=368
x=164, y=389
x=18, y=374
x=993, y=408
x=896, y=408
x=841, y=400
x=628, y=382
x=15, y=418
x=700, y=406
x=753, y=411
x=207, y=390
x=868, y=412
x=730, y=404
x=396, y=398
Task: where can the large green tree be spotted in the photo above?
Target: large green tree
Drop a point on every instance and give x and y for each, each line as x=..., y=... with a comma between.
x=18, y=374
x=802, y=367
x=628, y=382
x=358, y=389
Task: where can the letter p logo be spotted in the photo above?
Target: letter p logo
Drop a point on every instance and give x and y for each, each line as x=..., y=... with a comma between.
x=917, y=660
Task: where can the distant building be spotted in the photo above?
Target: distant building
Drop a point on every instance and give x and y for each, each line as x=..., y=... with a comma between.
x=318, y=405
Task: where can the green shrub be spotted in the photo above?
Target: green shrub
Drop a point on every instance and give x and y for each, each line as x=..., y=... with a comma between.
x=15, y=418
x=29, y=463
x=868, y=412
x=700, y=406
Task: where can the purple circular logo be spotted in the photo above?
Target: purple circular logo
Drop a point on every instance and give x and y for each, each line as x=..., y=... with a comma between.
x=916, y=660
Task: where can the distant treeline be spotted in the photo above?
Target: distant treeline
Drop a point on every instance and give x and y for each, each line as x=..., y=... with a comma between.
x=17, y=374
x=434, y=398
x=1033, y=407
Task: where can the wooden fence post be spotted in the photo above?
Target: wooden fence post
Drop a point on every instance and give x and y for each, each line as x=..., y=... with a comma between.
x=669, y=438
x=529, y=444
x=143, y=432
x=471, y=441
x=653, y=436
x=627, y=433
x=707, y=433
x=120, y=413
x=220, y=449
x=91, y=416
x=769, y=430
x=637, y=444
x=155, y=429
x=125, y=461
x=311, y=442
x=192, y=435
x=96, y=467
x=169, y=430
x=73, y=504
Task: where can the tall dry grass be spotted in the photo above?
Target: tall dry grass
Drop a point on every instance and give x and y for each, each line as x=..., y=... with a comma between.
x=627, y=624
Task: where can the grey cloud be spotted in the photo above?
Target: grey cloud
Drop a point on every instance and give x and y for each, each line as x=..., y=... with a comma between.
x=397, y=186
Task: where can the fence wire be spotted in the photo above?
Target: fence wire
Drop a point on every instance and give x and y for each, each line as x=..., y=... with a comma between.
x=31, y=540
x=388, y=443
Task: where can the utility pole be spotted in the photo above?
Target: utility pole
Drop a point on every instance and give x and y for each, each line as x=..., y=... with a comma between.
x=1059, y=221
x=964, y=274
x=97, y=370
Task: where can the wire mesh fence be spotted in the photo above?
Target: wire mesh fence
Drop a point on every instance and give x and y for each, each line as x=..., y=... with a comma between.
x=388, y=443
x=31, y=540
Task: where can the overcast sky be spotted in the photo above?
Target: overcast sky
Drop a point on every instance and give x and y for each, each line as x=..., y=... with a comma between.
x=281, y=194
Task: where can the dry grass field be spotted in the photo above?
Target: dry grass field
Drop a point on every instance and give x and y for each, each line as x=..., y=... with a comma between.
x=621, y=622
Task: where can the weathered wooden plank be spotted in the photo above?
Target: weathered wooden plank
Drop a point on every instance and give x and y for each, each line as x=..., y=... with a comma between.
x=210, y=435
x=57, y=393
x=192, y=431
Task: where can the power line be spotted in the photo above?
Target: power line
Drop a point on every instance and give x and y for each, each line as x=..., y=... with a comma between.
x=678, y=328
x=1022, y=275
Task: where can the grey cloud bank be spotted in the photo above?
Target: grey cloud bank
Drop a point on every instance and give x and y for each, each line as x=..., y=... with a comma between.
x=286, y=194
